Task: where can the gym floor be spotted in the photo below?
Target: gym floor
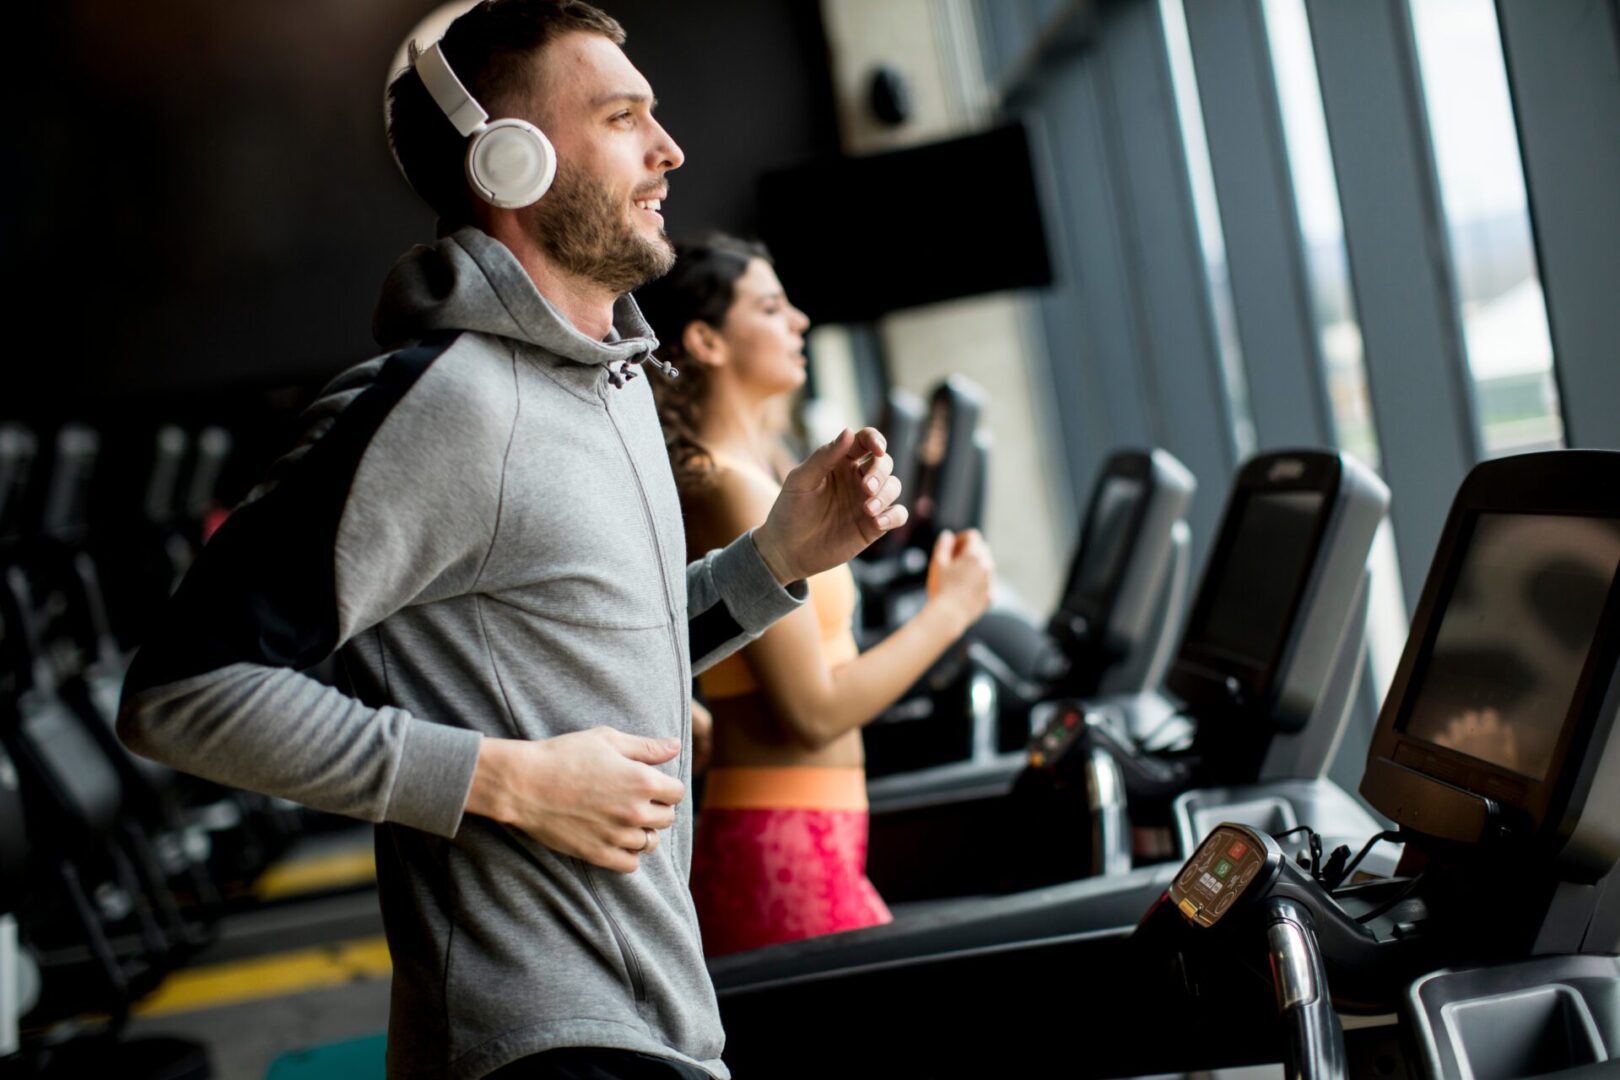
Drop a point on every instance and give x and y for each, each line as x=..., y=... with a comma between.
x=245, y=1038
x=309, y=969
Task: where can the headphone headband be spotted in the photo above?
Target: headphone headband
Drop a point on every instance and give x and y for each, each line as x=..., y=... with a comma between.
x=458, y=105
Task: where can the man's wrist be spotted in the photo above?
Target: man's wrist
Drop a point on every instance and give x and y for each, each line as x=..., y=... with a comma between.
x=773, y=557
x=487, y=797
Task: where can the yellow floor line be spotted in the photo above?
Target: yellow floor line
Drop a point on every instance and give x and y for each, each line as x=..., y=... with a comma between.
x=313, y=875
x=269, y=976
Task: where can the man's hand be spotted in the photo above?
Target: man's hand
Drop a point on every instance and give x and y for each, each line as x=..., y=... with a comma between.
x=591, y=794
x=831, y=507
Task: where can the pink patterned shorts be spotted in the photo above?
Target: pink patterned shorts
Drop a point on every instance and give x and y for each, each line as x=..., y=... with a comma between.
x=762, y=875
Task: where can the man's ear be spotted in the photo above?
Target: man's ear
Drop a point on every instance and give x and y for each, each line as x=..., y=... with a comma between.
x=703, y=343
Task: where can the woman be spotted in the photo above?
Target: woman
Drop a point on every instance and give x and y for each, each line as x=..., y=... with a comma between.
x=780, y=851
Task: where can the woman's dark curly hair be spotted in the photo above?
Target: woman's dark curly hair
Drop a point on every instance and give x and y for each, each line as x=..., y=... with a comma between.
x=699, y=288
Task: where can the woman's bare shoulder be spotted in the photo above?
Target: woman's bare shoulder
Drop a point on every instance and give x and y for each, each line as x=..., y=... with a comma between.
x=729, y=502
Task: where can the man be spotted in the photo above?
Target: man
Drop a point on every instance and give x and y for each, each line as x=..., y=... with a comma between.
x=484, y=521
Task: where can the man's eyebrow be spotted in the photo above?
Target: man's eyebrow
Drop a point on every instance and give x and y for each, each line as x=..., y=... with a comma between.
x=630, y=96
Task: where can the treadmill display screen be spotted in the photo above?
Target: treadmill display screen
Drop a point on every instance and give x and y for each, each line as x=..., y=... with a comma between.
x=1106, y=544
x=1260, y=578
x=1500, y=677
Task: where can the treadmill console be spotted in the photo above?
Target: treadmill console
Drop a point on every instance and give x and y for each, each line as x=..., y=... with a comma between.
x=1057, y=726
x=948, y=459
x=1288, y=561
x=1267, y=624
x=1502, y=711
x=1225, y=868
x=1124, y=552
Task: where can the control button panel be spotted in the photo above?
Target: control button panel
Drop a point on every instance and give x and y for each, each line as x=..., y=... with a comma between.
x=1220, y=871
x=1063, y=724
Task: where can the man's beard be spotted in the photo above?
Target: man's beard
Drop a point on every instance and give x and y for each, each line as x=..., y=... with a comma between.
x=586, y=234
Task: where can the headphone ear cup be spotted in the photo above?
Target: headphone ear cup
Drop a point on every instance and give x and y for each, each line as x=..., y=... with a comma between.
x=511, y=163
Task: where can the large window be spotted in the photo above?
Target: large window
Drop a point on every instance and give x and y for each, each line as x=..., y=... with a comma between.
x=1206, y=207
x=1316, y=194
x=1321, y=223
x=1476, y=149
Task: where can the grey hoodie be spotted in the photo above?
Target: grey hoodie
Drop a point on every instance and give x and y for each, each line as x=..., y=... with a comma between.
x=485, y=524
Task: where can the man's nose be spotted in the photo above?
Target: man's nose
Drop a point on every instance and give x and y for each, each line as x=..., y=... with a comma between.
x=666, y=154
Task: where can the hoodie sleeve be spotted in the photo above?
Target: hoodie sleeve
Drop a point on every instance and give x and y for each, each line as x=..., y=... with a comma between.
x=337, y=542
x=732, y=598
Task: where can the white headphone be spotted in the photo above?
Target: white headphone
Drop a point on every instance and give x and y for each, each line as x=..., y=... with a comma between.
x=510, y=163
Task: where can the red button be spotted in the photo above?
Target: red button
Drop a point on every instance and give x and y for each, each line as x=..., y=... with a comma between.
x=1238, y=849
x=1070, y=719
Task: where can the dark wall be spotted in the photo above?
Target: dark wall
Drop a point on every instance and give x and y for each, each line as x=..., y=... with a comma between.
x=203, y=201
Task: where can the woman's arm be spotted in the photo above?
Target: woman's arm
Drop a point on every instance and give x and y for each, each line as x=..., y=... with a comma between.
x=818, y=704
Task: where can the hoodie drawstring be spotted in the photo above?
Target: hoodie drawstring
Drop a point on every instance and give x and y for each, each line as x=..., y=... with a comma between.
x=623, y=372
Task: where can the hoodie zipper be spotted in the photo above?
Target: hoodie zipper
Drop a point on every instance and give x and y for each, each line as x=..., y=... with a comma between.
x=663, y=572
x=632, y=961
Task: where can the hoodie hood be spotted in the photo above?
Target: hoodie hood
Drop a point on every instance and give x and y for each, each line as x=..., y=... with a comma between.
x=471, y=281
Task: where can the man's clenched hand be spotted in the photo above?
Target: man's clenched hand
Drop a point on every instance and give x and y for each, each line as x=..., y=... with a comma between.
x=831, y=507
x=591, y=794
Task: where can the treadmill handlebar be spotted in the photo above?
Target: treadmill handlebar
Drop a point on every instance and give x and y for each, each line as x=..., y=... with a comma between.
x=1315, y=1039
x=1071, y=733
x=1147, y=776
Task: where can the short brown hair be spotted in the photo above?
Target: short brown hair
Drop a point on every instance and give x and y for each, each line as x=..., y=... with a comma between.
x=487, y=48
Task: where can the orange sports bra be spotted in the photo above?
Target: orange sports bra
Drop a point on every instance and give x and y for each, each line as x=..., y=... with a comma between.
x=832, y=596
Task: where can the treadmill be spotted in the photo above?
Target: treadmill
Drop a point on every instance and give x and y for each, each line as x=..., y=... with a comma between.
x=1120, y=613
x=1498, y=756
x=17, y=447
x=1122, y=603
x=946, y=716
x=15, y=996
x=1259, y=694
x=1490, y=952
x=1113, y=629
x=944, y=474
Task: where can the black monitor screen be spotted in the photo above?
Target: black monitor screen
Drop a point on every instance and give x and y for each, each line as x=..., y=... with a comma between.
x=1501, y=674
x=856, y=238
x=1107, y=540
x=1260, y=578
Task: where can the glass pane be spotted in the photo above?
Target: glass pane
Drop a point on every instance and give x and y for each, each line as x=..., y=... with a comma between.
x=1007, y=31
x=1476, y=148
x=1316, y=195
x=1207, y=209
